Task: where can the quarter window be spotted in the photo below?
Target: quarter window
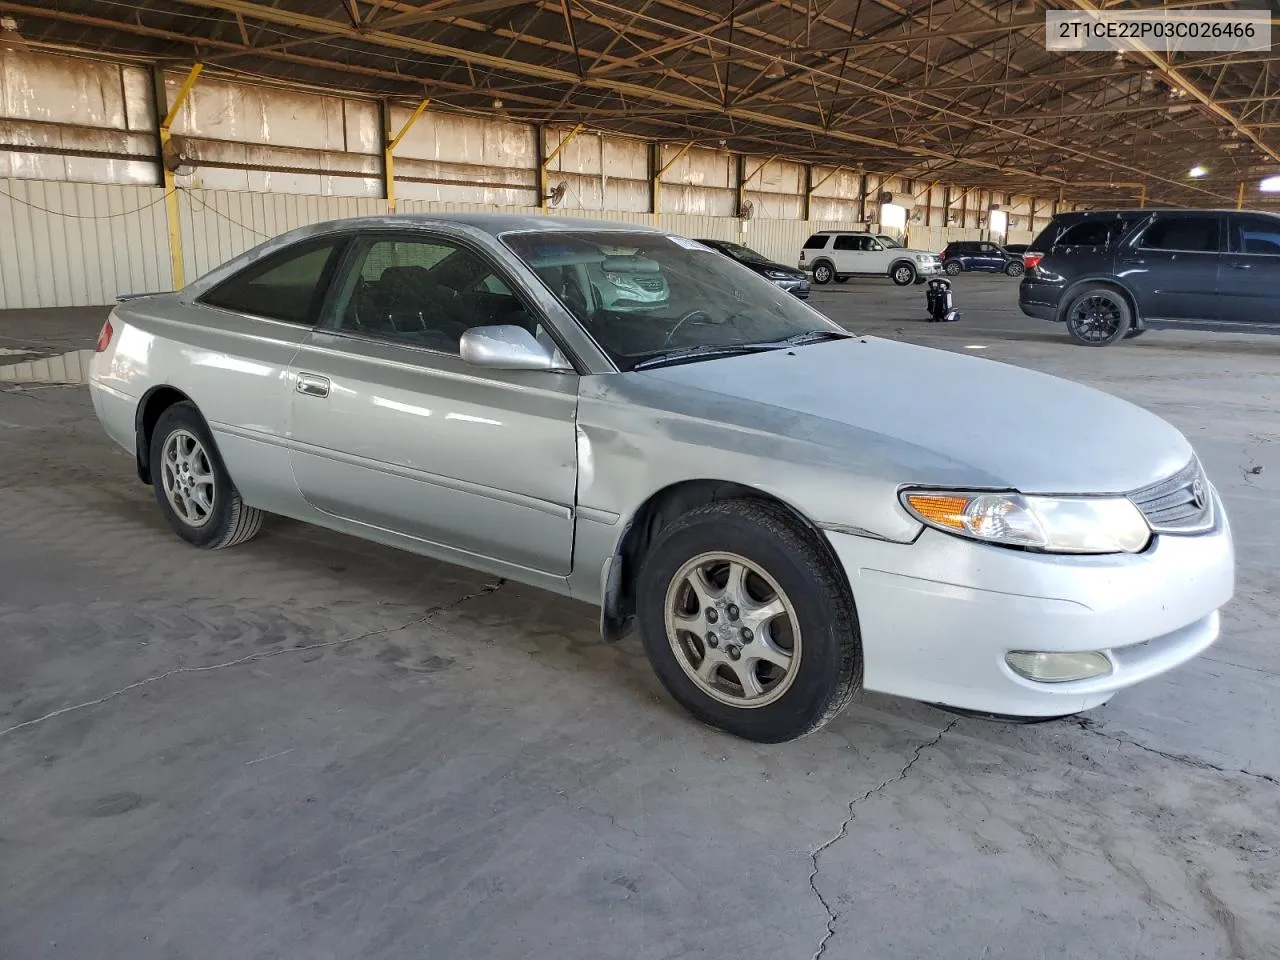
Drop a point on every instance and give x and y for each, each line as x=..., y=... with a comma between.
x=1257, y=235
x=423, y=292
x=817, y=242
x=288, y=285
x=1198, y=234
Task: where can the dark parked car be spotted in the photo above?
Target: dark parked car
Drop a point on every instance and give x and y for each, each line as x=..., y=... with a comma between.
x=1112, y=274
x=788, y=278
x=984, y=255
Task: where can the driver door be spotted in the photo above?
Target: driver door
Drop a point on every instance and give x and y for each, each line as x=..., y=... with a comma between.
x=391, y=428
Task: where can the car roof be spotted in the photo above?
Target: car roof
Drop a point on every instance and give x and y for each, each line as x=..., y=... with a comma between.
x=491, y=223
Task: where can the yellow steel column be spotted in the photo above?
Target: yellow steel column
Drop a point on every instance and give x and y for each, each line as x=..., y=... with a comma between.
x=1240, y=197
x=389, y=163
x=170, y=187
x=1142, y=198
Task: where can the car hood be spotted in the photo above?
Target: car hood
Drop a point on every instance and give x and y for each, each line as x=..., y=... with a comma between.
x=760, y=267
x=917, y=253
x=915, y=414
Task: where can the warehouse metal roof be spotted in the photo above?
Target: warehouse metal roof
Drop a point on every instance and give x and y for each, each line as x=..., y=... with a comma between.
x=961, y=91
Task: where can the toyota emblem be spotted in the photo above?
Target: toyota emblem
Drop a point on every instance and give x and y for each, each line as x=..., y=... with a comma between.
x=1197, y=493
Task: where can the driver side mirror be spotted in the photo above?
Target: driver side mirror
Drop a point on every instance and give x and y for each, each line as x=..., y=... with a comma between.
x=509, y=347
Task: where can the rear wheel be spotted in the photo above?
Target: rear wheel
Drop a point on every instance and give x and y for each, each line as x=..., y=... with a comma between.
x=1014, y=269
x=903, y=274
x=747, y=622
x=822, y=273
x=192, y=486
x=1098, y=317
x=952, y=268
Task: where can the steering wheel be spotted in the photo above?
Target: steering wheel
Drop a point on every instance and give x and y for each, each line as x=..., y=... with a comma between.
x=695, y=312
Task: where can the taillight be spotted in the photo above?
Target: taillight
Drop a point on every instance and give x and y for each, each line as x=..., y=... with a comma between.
x=942, y=255
x=802, y=256
x=104, y=338
x=1031, y=260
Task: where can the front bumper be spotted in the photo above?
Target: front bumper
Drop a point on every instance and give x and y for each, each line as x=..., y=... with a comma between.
x=798, y=287
x=938, y=616
x=932, y=268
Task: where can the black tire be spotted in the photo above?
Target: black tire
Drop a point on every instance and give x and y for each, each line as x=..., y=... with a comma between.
x=823, y=272
x=1098, y=316
x=952, y=268
x=1014, y=269
x=1135, y=332
x=228, y=520
x=842, y=279
x=829, y=671
x=903, y=274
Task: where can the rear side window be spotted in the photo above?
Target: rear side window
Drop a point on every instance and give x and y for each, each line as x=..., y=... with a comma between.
x=1199, y=234
x=817, y=242
x=288, y=286
x=850, y=242
x=1256, y=235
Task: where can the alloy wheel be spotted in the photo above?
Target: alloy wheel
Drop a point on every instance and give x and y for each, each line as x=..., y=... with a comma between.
x=1096, y=318
x=733, y=630
x=187, y=478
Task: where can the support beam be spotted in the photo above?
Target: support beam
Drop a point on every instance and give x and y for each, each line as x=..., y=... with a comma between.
x=655, y=187
x=1240, y=197
x=808, y=193
x=170, y=112
x=388, y=155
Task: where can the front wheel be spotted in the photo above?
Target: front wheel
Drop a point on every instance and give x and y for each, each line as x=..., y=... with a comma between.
x=1015, y=269
x=747, y=623
x=903, y=274
x=1098, y=317
x=192, y=485
x=822, y=273
x=952, y=268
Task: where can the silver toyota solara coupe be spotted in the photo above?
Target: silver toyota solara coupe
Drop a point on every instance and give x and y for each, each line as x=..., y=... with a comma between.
x=788, y=512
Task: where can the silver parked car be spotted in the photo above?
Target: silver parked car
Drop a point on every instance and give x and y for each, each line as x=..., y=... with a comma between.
x=788, y=512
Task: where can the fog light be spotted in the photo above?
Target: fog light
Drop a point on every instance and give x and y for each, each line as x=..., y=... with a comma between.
x=1058, y=667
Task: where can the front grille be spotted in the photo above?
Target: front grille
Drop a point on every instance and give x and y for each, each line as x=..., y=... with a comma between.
x=651, y=284
x=1180, y=504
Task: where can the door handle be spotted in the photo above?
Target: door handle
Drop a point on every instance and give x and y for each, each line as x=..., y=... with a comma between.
x=312, y=385
x=1237, y=265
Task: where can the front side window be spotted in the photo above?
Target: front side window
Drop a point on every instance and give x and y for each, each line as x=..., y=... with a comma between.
x=644, y=295
x=1255, y=235
x=423, y=292
x=1199, y=234
x=289, y=285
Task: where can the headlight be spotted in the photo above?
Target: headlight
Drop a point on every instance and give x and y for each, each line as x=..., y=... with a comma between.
x=777, y=275
x=1050, y=524
x=921, y=258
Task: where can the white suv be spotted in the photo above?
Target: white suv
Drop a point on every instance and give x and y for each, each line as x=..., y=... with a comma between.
x=838, y=255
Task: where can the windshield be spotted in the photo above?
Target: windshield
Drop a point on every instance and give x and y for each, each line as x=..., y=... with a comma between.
x=889, y=242
x=645, y=295
x=745, y=254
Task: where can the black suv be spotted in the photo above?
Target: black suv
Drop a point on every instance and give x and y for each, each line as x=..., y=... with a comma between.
x=980, y=255
x=1112, y=274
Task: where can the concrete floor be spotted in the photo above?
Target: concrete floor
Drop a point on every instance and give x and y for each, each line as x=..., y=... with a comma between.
x=310, y=747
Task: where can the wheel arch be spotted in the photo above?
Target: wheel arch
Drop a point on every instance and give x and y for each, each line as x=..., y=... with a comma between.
x=901, y=261
x=154, y=402
x=821, y=260
x=618, y=599
x=1112, y=283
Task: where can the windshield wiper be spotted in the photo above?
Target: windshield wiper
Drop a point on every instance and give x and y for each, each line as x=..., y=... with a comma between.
x=813, y=336
x=705, y=352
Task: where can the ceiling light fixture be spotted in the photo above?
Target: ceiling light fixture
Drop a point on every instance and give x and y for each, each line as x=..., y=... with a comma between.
x=1197, y=171
x=1270, y=185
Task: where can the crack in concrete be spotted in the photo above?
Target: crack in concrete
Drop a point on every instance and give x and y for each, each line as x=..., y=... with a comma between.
x=1090, y=726
x=487, y=589
x=832, y=916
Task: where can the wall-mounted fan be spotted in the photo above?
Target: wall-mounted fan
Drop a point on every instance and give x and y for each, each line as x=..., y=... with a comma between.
x=748, y=209
x=557, y=193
